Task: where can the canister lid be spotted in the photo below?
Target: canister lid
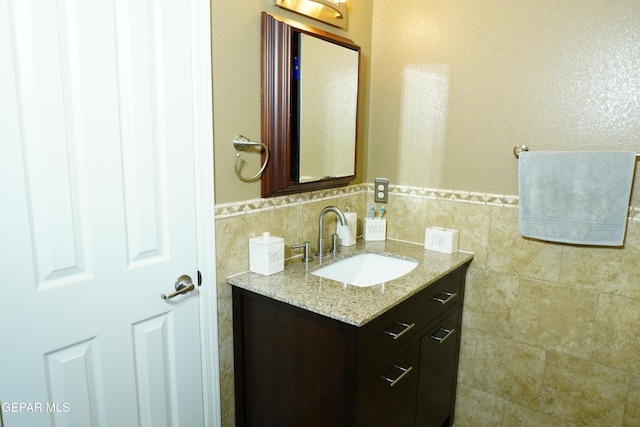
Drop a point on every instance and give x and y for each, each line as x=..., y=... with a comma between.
x=266, y=239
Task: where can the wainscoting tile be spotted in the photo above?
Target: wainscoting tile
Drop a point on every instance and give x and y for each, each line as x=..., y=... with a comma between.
x=231, y=240
x=406, y=218
x=512, y=254
x=471, y=220
x=555, y=318
x=583, y=392
x=616, y=340
x=489, y=302
x=632, y=408
x=509, y=369
x=518, y=416
x=476, y=408
x=609, y=270
x=281, y=222
x=468, y=342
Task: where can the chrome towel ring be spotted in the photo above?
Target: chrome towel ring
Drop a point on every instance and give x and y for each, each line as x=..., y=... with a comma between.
x=241, y=143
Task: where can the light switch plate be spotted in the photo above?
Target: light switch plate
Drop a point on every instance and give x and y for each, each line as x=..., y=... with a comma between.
x=381, y=190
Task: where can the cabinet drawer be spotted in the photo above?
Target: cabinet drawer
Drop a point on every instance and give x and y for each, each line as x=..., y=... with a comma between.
x=401, y=323
x=390, y=391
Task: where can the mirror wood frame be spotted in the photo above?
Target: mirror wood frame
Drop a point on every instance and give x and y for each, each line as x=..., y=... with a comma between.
x=277, y=112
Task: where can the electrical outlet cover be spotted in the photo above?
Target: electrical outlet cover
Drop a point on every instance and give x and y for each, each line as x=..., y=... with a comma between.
x=381, y=190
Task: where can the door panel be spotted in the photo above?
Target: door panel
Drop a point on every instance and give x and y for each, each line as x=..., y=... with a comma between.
x=97, y=144
x=153, y=360
x=72, y=376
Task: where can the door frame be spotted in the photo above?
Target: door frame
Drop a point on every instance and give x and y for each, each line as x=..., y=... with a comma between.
x=205, y=213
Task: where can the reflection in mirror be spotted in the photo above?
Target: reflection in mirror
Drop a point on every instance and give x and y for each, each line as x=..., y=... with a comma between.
x=328, y=81
x=309, y=107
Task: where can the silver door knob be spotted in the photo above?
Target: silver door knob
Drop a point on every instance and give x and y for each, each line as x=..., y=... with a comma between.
x=183, y=285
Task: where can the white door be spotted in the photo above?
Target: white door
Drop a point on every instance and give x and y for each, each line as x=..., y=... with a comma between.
x=98, y=214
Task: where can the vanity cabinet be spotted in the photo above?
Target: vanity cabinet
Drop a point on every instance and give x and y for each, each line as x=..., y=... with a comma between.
x=298, y=368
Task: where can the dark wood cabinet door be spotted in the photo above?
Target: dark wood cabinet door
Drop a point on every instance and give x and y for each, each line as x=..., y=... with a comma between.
x=389, y=391
x=293, y=368
x=438, y=373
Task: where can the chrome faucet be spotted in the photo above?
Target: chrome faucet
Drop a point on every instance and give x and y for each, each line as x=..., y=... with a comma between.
x=320, y=253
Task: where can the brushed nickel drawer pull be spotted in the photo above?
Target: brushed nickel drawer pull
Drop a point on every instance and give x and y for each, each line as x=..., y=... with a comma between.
x=407, y=327
x=449, y=297
x=393, y=382
x=447, y=332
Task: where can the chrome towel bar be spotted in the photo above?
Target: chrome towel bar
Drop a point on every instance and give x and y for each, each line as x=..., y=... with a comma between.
x=520, y=148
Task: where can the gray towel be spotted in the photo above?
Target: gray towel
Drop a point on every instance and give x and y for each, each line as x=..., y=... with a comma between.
x=575, y=197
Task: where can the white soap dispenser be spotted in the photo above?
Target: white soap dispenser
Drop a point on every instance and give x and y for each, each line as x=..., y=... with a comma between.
x=266, y=254
x=348, y=231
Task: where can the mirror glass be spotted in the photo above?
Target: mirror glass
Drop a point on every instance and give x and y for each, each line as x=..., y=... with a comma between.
x=309, y=107
x=328, y=82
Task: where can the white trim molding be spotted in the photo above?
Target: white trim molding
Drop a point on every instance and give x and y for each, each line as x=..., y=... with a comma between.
x=204, y=169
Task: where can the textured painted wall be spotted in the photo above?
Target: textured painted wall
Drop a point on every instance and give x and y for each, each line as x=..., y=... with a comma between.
x=457, y=84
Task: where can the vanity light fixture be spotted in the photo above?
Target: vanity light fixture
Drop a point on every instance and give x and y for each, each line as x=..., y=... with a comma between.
x=335, y=5
x=333, y=12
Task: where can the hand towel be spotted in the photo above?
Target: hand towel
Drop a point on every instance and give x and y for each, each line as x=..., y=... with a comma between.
x=575, y=197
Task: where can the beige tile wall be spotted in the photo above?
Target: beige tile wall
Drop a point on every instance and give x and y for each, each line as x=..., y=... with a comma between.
x=551, y=332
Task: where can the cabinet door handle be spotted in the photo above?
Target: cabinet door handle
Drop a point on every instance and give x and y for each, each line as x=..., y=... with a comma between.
x=447, y=332
x=449, y=297
x=397, y=335
x=403, y=373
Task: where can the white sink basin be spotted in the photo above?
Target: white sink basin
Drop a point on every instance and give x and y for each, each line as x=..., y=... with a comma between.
x=366, y=269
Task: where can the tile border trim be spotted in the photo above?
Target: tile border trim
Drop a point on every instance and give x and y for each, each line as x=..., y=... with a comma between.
x=224, y=210
x=255, y=205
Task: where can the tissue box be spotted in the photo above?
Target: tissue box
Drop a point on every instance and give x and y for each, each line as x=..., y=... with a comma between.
x=347, y=232
x=374, y=229
x=266, y=254
x=440, y=239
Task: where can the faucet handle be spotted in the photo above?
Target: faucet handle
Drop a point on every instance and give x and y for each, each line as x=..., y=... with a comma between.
x=306, y=254
x=335, y=243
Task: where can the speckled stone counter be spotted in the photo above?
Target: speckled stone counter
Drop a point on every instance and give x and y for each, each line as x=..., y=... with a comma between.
x=350, y=304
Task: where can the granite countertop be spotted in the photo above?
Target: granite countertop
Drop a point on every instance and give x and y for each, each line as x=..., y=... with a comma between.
x=351, y=304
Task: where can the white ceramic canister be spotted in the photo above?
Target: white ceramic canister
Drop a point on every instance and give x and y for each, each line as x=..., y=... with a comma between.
x=266, y=254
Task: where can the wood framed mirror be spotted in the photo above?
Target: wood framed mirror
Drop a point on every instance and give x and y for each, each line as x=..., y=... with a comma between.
x=309, y=107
